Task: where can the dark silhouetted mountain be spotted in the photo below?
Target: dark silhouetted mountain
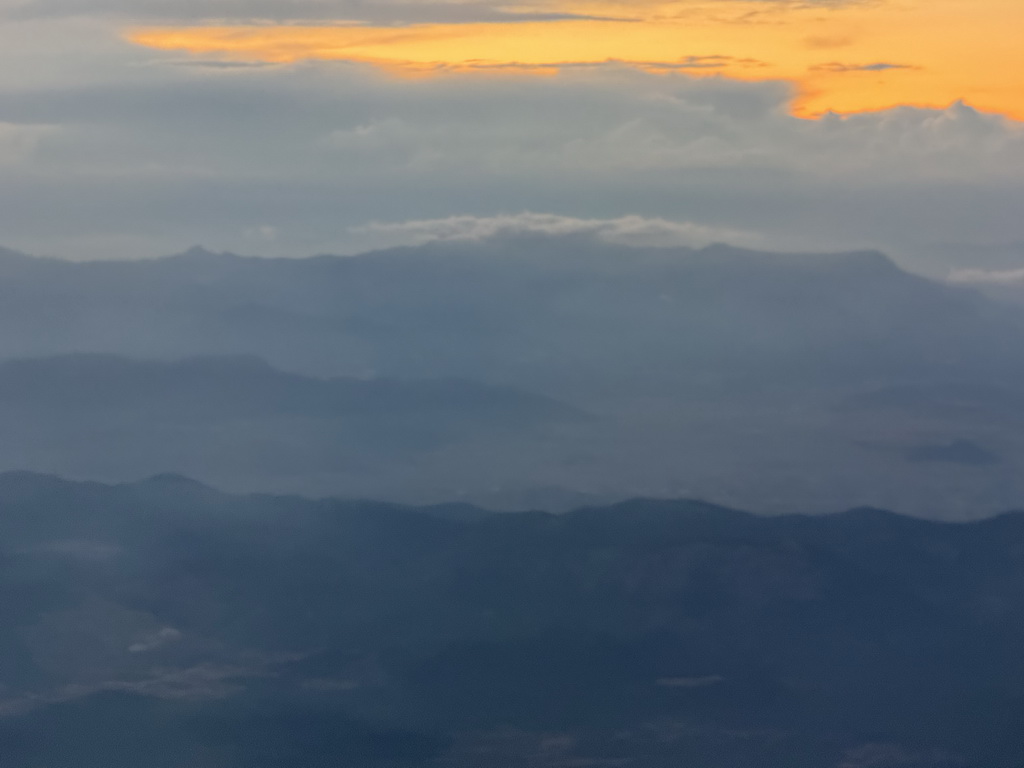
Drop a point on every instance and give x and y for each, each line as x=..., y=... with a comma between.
x=163, y=623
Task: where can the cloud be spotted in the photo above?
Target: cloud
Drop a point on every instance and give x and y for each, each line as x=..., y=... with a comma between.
x=880, y=66
x=381, y=11
x=625, y=230
x=987, y=277
x=625, y=122
x=114, y=149
x=825, y=42
x=155, y=640
x=684, y=64
x=265, y=232
x=217, y=64
x=372, y=12
x=950, y=61
x=78, y=549
x=19, y=142
x=147, y=158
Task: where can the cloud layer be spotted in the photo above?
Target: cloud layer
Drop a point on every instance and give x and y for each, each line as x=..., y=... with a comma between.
x=279, y=11
x=115, y=150
x=843, y=56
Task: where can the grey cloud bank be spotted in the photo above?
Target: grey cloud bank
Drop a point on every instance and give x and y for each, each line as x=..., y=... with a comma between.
x=280, y=11
x=118, y=152
x=325, y=11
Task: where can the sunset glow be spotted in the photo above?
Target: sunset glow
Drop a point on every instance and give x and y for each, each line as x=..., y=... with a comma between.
x=844, y=57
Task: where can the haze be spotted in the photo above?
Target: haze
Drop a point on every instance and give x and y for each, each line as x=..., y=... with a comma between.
x=471, y=384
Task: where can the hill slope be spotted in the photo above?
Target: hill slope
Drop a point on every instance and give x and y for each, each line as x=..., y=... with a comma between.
x=163, y=622
x=239, y=421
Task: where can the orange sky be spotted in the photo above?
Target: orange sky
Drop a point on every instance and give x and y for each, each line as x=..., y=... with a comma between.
x=847, y=57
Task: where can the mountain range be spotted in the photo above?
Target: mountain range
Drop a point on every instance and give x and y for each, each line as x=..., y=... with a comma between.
x=761, y=381
x=163, y=623
x=559, y=314
x=237, y=421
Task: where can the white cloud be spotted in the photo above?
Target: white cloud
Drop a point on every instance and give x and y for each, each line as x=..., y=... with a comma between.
x=264, y=233
x=155, y=640
x=626, y=230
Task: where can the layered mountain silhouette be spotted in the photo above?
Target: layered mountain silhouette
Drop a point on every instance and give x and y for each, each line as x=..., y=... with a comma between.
x=164, y=623
x=564, y=312
x=237, y=420
x=763, y=381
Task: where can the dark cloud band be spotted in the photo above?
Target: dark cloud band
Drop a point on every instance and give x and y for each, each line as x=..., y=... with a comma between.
x=282, y=11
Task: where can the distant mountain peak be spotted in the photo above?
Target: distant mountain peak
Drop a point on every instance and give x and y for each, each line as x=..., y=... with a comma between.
x=11, y=254
x=871, y=259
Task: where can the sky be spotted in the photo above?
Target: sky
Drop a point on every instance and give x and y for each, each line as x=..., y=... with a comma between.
x=136, y=128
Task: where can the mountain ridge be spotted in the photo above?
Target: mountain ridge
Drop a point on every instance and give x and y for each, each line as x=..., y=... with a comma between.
x=719, y=373
x=695, y=634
